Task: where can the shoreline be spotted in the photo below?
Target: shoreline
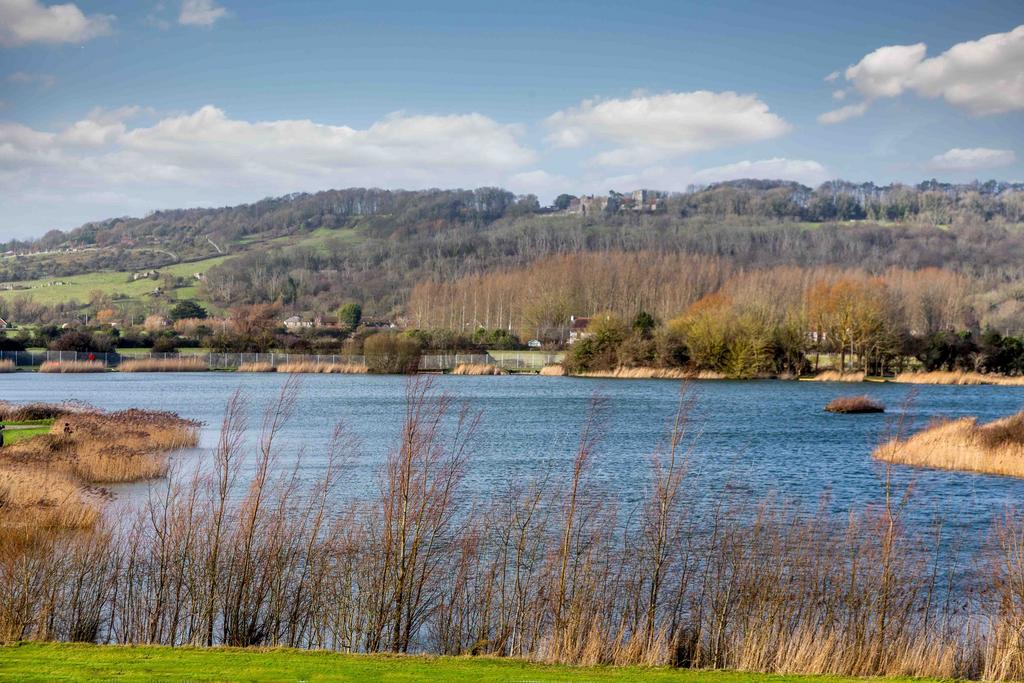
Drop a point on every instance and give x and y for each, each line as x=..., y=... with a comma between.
x=642, y=373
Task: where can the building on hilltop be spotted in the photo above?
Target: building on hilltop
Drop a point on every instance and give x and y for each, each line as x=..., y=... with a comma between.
x=641, y=201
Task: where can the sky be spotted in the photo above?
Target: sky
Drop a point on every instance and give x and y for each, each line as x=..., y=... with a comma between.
x=121, y=107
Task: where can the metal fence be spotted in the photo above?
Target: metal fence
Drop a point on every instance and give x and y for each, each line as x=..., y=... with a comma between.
x=508, y=360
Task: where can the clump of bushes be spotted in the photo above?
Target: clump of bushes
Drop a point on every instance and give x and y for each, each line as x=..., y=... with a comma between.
x=854, y=404
x=611, y=343
x=391, y=353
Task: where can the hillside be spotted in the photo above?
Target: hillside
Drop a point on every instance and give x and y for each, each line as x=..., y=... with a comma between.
x=314, y=251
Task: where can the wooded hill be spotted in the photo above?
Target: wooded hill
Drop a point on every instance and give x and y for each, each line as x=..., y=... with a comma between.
x=314, y=251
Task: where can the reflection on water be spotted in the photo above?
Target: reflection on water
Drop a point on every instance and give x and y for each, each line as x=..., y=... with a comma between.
x=757, y=440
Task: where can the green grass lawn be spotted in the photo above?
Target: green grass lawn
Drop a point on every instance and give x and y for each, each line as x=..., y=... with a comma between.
x=79, y=287
x=64, y=662
x=31, y=428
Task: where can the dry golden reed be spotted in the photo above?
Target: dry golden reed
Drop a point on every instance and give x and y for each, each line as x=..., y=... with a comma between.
x=48, y=481
x=836, y=376
x=323, y=368
x=163, y=365
x=959, y=377
x=552, y=370
x=256, y=367
x=73, y=366
x=478, y=369
x=964, y=445
x=855, y=404
x=6, y=365
x=653, y=373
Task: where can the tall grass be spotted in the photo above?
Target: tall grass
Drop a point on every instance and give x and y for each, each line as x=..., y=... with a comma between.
x=552, y=370
x=959, y=377
x=654, y=373
x=180, y=364
x=256, y=367
x=73, y=366
x=49, y=481
x=323, y=368
x=854, y=404
x=963, y=444
x=7, y=365
x=836, y=376
x=28, y=412
x=546, y=569
x=477, y=369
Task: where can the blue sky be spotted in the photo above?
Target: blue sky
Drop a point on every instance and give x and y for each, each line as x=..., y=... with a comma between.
x=118, y=108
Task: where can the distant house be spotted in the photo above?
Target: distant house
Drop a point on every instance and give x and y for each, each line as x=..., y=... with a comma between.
x=578, y=329
x=296, y=322
x=644, y=201
x=534, y=343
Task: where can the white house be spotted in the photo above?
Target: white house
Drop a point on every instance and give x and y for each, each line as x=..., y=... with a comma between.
x=296, y=322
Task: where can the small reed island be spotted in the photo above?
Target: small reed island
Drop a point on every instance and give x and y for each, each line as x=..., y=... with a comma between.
x=962, y=444
x=55, y=458
x=851, y=405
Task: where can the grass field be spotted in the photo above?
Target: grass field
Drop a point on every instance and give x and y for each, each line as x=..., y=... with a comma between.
x=79, y=287
x=63, y=662
x=25, y=430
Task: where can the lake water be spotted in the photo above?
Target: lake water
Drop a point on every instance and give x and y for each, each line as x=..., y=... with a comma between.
x=758, y=440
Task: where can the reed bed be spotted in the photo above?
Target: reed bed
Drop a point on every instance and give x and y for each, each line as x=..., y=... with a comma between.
x=34, y=500
x=545, y=569
x=49, y=481
x=27, y=412
x=7, y=365
x=256, y=367
x=180, y=364
x=323, y=368
x=73, y=366
x=477, y=369
x=854, y=405
x=836, y=376
x=553, y=370
x=958, y=378
x=653, y=373
x=964, y=445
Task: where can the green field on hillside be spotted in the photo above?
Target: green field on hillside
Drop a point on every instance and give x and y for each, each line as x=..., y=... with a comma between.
x=80, y=287
x=63, y=662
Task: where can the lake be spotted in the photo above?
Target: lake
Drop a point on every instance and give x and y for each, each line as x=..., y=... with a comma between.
x=758, y=440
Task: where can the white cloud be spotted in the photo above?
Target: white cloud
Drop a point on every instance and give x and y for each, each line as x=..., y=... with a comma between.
x=29, y=21
x=839, y=95
x=176, y=160
x=647, y=128
x=801, y=170
x=200, y=13
x=541, y=183
x=984, y=76
x=850, y=111
x=972, y=159
x=25, y=78
x=832, y=77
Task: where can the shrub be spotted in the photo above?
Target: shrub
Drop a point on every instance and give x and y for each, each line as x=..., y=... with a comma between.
x=390, y=353
x=187, y=309
x=82, y=342
x=854, y=404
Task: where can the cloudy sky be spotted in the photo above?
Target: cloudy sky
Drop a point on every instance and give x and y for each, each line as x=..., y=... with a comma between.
x=119, y=107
